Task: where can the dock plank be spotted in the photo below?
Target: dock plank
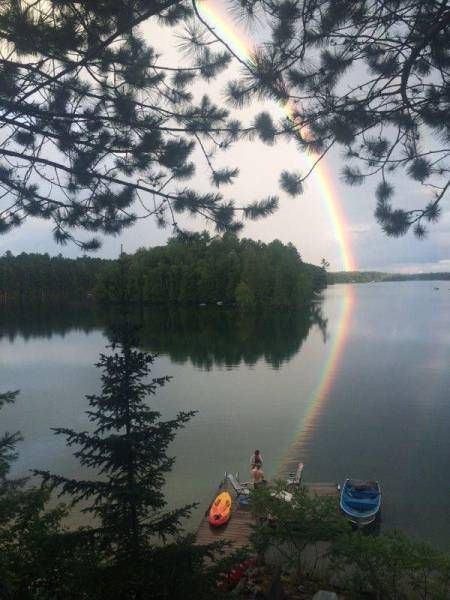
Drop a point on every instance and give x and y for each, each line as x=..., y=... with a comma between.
x=237, y=531
x=323, y=489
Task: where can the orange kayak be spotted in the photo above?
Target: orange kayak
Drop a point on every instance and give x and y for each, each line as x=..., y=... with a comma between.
x=220, y=510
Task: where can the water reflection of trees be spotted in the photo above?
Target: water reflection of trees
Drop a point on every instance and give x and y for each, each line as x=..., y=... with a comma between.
x=220, y=337
x=206, y=337
x=41, y=319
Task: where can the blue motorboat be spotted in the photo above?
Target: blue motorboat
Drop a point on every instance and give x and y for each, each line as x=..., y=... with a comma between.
x=361, y=501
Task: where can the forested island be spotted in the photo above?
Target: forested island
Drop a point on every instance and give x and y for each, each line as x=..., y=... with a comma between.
x=186, y=272
x=205, y=270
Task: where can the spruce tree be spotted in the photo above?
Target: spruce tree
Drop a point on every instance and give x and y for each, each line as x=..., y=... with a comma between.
x=127, y=450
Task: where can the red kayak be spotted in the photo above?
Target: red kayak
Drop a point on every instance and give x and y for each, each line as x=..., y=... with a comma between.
x=220, y=511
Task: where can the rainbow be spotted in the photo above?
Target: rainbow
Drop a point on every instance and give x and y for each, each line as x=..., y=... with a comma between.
x=324, y=385
x=237, y=41
x=212, y=12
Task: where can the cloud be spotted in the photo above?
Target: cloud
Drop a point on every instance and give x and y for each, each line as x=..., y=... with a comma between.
x=306, y=221
x=359, y=229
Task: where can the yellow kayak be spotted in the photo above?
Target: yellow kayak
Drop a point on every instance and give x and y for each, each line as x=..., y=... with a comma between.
x=220, y=510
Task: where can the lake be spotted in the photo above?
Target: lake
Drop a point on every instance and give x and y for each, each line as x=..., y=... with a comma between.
x=357, y=386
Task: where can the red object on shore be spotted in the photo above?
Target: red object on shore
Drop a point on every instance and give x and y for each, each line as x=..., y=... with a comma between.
x=220, y=511
x=231, y=579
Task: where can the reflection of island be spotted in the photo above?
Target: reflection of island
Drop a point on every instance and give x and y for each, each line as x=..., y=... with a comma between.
x=222, y=337
x=207, y=337
x=42, y=319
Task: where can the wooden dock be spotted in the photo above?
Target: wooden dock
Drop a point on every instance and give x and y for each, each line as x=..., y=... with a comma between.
x=323, y=489
x=238, y=529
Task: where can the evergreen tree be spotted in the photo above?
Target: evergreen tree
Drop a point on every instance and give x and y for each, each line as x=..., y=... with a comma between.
x=128, y=451
x=370, y=76
x=98, y=130
x=324, y=264
x=38, y=557
x=8, y=442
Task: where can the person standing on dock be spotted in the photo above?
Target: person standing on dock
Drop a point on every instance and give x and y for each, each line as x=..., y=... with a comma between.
x=258, y=475
x=256, y=459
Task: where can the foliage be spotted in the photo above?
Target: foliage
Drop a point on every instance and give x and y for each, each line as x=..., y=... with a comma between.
x=99, y=130
x=39, y=277
x=202, y=269
x=244, y=296
x=186, y=271
x=371, y=276
x=179, y=571
x=293, y=526
x=128, y=451
x=37, y=555
x=369, y=76
x=7, y=444
x=115, y=558
x=324, y=264
x=307, y=529
x=391, y=566
x=128, y=446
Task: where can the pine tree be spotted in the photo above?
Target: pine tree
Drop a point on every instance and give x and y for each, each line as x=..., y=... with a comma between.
x=324, y=264
x=99, y=130
x=371, y=77
x=128, y=450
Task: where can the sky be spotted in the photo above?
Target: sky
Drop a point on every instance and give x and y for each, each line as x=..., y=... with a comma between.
x=305, y=221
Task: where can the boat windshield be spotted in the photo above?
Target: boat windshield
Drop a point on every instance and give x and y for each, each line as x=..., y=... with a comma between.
x=362, y=490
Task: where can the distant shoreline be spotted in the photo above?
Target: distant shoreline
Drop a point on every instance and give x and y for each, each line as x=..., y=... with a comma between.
x=377, y=276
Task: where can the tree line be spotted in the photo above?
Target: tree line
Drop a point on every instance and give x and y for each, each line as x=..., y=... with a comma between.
x=33, y=277
x=221, y=270
x=370, y=276
x=187, y=271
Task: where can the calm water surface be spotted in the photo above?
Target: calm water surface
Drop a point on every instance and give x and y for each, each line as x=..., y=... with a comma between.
x=359, y=387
